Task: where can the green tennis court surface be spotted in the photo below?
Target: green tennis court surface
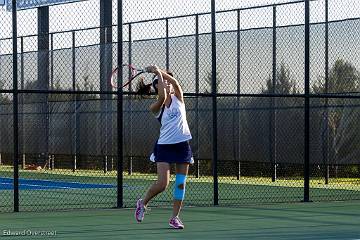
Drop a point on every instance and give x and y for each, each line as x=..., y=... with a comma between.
x=63, y=189
x=336, y=220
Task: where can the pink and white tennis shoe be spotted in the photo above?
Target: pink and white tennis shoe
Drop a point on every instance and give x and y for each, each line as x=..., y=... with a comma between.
x=140, y=211
x=176, y=223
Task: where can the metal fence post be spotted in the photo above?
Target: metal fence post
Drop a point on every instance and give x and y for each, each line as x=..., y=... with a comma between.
x=75, y=139
x=15, y=108
x=52, y=61
x=167, y=45
x=43, y=75
x=197, y=89
x=326, y=117
x=307, y=104
x=272, y=123
x=106, y=102
x=105, y=71
x=52, y=156
x=120, y=114
x=21, y=117
x=238, y=91
x=214, y=102
x=130, y=161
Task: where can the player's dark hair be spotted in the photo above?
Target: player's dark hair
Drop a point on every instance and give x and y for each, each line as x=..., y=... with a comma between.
x=143, y=89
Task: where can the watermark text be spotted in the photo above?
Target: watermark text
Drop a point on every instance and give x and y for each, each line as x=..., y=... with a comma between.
x=28, y=232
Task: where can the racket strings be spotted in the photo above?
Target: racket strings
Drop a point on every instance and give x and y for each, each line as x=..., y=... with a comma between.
x=135, y=81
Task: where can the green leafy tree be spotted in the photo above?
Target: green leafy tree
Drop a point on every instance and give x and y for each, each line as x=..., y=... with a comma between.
x=343, y=78
x=279, y=115
x=283, y=84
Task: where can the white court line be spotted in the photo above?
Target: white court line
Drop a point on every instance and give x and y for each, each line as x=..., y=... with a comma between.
x=44, y=186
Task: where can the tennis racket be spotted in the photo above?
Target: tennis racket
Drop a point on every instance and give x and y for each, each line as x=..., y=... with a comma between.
x=129, y=70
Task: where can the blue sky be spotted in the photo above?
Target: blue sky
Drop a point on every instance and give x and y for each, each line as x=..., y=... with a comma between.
x=86, y=14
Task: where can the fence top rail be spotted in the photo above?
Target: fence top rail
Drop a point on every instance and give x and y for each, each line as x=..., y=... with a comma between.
x=164, y=18
x=350, y=95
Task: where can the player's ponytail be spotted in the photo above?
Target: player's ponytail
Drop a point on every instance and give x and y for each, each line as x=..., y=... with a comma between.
x=143, y=89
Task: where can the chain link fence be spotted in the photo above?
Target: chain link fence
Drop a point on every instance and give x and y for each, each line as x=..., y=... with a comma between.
x=67, y=111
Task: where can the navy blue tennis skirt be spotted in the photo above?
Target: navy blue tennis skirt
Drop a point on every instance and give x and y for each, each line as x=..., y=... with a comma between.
x=172, y=153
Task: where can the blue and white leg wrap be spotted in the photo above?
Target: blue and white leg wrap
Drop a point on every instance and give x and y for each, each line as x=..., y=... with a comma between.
x=180, y=183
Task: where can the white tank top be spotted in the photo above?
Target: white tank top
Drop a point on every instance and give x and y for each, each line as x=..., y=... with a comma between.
x=174, y=126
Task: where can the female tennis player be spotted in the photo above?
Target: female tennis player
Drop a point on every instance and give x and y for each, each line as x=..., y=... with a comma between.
x=172, y=145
